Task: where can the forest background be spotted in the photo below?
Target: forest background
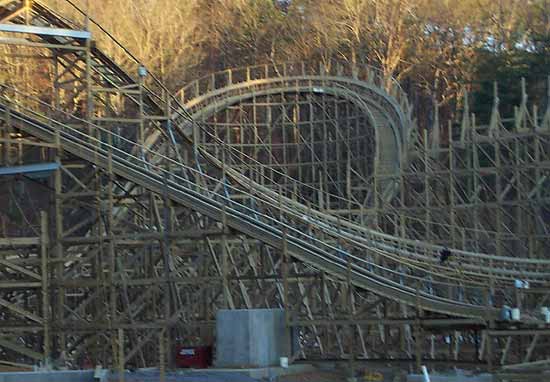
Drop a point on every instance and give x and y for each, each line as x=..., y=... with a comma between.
x=435, y=48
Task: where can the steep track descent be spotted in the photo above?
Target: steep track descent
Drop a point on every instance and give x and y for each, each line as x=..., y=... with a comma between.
x=404, y=270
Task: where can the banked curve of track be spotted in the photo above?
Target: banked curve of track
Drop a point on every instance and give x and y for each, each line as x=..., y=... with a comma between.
x=398, y=282
x=268, y=229
x=203, y=97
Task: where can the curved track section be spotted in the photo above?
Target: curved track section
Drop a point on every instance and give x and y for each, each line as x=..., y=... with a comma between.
x=308, y=238
x=387, y=265
x=275, y=231
x=387, y=111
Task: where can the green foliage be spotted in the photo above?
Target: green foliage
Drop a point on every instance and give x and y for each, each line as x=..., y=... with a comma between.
x=507, y=69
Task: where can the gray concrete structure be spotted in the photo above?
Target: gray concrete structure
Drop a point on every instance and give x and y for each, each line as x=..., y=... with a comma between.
x=256, y=372
x=251, y=338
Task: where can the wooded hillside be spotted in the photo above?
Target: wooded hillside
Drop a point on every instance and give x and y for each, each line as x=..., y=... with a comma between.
x=434, y=47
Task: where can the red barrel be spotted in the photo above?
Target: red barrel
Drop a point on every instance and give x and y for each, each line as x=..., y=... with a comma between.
x=196, y=357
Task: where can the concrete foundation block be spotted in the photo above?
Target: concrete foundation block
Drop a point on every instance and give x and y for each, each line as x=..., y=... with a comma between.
x=251, y=338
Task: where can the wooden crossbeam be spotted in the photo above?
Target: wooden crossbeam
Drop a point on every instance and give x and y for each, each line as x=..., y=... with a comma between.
x=20, y=269
x=20, y=349
x=20, y=311
x=19, y=241
x=10, y=15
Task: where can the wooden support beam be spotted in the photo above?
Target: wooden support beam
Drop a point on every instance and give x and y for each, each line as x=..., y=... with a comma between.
x=19, y=269
x=121, y=356
x=19, y=242
x=46, y=303
x=5, y=343
x=20, y=311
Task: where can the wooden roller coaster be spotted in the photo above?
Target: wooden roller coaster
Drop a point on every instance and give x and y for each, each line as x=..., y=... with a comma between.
x=130, y=214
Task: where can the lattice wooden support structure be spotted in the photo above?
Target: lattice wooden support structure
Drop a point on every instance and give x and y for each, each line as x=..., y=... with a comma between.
x=131, y=216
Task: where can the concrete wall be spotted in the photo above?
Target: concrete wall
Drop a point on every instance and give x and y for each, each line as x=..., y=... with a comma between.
x=251, y=338
x=49, y=376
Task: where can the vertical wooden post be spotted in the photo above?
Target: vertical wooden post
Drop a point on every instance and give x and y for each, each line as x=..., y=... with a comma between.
x=170, y=297
x=141, y=131
x=225, y=264
x=418, y=331
x=87, y=15
x=427, y=188
x=6, y=133
x=60, y=302
x=285, y=277
x=351, y=325
x=419, y=337
x=89, y=86
x=489, y=350
x=162, y=356
x=44, y=243
x=452, y=197
x=490, y=325
x=121, y=354
x=111, y=249
x=28, y=6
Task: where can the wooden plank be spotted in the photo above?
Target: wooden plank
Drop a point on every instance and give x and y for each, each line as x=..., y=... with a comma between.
x=20, y=311
x=46, y=306
x=20, y=349
x=3, y=3
x=27, y=142
x=520, y=332
x=528, y=365
x=20, y=269
x=19, y=285
x=19, y=241
x=425, y=323
x=10, y=15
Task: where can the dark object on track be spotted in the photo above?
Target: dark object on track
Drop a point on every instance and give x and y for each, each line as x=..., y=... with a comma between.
x=444, y=255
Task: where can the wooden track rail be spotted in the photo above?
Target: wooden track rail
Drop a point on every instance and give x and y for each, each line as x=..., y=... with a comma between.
x=295, y=185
